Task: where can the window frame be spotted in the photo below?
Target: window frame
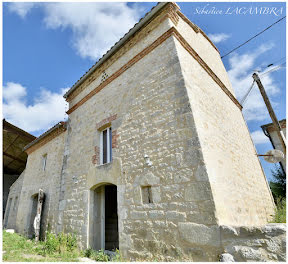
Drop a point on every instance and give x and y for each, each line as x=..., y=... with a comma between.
x=108, y=145
x=44, y=161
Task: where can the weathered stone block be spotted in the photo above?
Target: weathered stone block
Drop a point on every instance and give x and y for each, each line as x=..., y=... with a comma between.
x=200, y=234
x=197, y=191
x=175, y=216
x=155, y=214
x=138, y=215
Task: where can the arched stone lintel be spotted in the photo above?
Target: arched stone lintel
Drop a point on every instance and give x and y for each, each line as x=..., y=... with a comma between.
x=104, y=174
x=94, y=187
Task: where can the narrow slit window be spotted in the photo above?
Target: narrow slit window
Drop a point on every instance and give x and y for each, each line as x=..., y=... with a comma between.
x=44, y=162
x=147, y=195
x=15, y=203
x=106, y=146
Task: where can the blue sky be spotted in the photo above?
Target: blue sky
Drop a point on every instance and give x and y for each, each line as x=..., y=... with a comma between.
x=47, y=47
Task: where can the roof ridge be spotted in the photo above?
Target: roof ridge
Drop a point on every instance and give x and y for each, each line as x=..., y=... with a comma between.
x=109, y=53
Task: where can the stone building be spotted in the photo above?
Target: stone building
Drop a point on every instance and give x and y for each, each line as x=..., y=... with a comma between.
x=155, y=156
x=14, y=162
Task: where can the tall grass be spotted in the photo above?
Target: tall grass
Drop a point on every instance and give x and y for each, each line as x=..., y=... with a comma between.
x=280, y=211
x=59, y=248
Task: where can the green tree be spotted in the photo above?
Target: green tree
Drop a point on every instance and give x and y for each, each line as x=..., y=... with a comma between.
x=278, y=184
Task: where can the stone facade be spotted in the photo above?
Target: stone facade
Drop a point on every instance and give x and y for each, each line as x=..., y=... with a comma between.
x=8, y=180
x=10, y=216
x=178, y=137
x=36, y=177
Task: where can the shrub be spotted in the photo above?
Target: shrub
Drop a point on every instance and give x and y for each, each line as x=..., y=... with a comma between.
x=71, y=242
x=280, y=211
x=59, y=243
x=96, y=255
x=51, y=243
x=117, y=257
x=278, y=184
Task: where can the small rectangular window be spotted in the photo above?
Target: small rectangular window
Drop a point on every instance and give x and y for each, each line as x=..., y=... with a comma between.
x=106, y=146
x=147, y=195
x=15, y=203
x=44, y=162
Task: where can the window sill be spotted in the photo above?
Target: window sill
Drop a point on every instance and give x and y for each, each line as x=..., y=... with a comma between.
x=104, y=165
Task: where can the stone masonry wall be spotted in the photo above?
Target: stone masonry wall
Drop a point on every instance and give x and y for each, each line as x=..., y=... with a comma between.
x=163, y=106
x=205, y=50
x=240, y=190
x=257, y=243
x=153, y=118
x=8, y=180
x=13, y=203
x=147, y=35
x=161, y=116
x=242, y=243
x=47, y=180
x=239, y=186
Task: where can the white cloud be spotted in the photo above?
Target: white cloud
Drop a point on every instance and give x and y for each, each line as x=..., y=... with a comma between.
x=45, y=111
x=13, y=91
x=95, y=27
x=240, y=74
x=259, y=137
x=21, y=8
x=219, y=37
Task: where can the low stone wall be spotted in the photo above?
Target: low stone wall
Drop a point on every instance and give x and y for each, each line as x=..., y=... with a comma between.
x=266, y=243
x=241, y=244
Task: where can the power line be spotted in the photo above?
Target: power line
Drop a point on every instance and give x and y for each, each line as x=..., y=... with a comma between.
x=263, y=74
x=273, y=69
x=246, y=95
x=279, y=59
x=270, y=64
x=252, y=37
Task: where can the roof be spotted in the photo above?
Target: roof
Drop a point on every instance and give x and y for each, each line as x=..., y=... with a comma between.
x=142, y=22
x=45, y=134
x=271, y=125
x=14, y=139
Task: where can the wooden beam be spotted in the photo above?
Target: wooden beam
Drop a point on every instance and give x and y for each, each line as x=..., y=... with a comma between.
x=16, y=130
x=14, y=158
x=12, y=143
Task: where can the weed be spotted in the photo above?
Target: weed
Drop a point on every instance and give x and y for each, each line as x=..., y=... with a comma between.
x=117, y=257
x=280, y=211
x=59, y=248
x=99, y=256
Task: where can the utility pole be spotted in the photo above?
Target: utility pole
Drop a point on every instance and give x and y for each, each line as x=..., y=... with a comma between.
x=271, y=112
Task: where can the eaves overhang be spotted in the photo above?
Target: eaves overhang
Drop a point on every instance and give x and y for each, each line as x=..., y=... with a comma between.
x=142, y=22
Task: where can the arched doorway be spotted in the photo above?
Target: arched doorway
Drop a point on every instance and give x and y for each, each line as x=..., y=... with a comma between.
x=33, y=212
x=103, y=231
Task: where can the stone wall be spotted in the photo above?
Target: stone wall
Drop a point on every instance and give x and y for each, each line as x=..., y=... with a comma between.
x=163, y=106
x=241, y=243
x=257, y=243
x=240, y=189
x=153, y=118
x=48, y=180
x=8, y=180
x=13, y=203
x=204, y=49
x=145, y=37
